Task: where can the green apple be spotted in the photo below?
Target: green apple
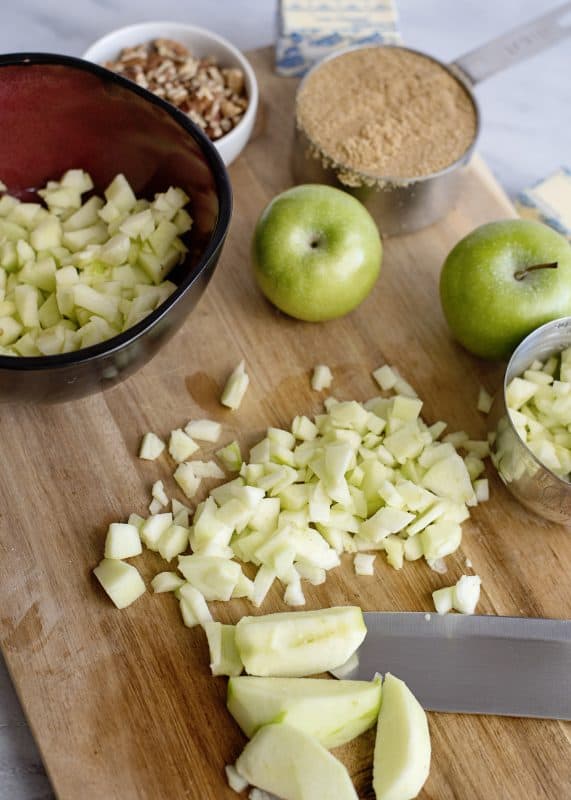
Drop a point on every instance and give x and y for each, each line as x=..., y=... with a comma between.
x=316, y=252
x=502, y=281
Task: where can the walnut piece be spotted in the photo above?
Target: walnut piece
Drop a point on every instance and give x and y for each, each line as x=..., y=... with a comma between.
x=214, y=97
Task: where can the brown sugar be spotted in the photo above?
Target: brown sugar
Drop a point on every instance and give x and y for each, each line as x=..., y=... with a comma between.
x=386, y=112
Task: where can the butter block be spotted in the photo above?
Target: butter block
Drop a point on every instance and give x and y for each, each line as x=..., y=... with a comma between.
x=549, y=201
x=308, y=30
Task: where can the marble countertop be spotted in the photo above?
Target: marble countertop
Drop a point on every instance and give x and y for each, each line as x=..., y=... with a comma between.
x=527, y=119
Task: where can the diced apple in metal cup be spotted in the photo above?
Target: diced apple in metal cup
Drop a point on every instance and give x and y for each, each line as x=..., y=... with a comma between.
x=530, y=433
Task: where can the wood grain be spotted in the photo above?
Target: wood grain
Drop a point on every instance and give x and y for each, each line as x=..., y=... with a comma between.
x=122, y=703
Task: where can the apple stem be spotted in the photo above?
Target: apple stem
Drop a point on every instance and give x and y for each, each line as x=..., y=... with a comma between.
x=521, y=273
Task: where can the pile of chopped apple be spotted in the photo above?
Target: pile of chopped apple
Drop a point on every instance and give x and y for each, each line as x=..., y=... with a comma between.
x=75, y=272
x=539, y=406
x=359, y=479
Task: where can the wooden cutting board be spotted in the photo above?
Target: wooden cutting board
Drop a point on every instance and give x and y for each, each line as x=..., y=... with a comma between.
x=121, y=702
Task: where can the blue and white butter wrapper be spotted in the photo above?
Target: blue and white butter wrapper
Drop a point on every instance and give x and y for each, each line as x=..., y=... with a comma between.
x=308, y=30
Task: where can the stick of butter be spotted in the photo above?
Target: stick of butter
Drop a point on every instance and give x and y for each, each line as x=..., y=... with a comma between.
x=549, y=201
x=308, y=30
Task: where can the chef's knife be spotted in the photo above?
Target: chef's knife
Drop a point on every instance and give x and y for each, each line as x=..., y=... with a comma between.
x=473, y=664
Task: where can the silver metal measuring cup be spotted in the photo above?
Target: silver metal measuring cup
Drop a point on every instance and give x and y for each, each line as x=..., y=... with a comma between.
x=403, y=205
x=530, y=482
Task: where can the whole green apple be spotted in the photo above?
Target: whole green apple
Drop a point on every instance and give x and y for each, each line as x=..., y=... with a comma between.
x=316, y=252
x=502, y=281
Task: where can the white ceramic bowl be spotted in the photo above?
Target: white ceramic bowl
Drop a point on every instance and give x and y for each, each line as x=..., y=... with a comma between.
x=200, y=42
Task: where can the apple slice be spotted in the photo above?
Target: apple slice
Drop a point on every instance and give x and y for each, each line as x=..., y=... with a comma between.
x=235, y=387
x=402, y=748
x=299, y=643
x=334, y=712
x=289, y=763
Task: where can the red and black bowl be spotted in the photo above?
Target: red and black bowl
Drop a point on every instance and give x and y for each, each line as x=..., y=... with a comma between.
x=59, y=113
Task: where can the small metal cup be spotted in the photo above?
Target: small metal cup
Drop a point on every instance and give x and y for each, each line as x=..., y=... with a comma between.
x=530, y=482
x=404, y=205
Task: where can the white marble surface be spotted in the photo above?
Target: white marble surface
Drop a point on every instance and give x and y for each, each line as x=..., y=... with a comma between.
x=527, y=119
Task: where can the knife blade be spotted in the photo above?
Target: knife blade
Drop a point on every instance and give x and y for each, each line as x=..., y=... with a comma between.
x=512, y=666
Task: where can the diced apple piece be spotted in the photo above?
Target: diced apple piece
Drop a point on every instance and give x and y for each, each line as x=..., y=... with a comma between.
x=224, y=656
x=214, y=577
x=187, y=480
x=293, y=595
x=196, y=603
x=466, y=594
x=140, y=225
x=322, y=378
x=482, y=490
x=441, y=539
x=406, y=408
x=81, y=238
x=85, y=216
x=449, y=478
x=181, y=512
x=294, y=644
x=394, y=548
x=206, y=430
x=10, y=330
x=231, y=456
x=120, y=194
x=206, y=469
x=443, y=599
x=402, y=747
x=364, y=564
x=122, y=541
x=27, y=300
x=385, y=521
x=153, y=528
x=385, y=377
x=166, y=582
x=303, y=428
x=262, y=585
x=26, y=345
x=235, y=387
x=189, y=618
x=159, y=494
x=289, y=763
x=413, y=548
x=77, y=179
x=47, y=234
x=151, y=447
x=173, y=541
x=181, y=445
x=105, y=306
x=519, y=391
x=121, y=581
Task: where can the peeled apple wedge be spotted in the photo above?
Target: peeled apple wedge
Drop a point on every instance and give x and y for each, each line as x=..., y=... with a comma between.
x=334, y=712
x=402, y=748
x=292, y=765
x=294, y=644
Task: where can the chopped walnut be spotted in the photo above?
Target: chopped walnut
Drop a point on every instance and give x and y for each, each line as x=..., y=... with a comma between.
x=214, y=97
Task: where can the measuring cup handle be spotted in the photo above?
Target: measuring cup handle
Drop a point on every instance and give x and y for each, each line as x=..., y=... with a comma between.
x=517, y=45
